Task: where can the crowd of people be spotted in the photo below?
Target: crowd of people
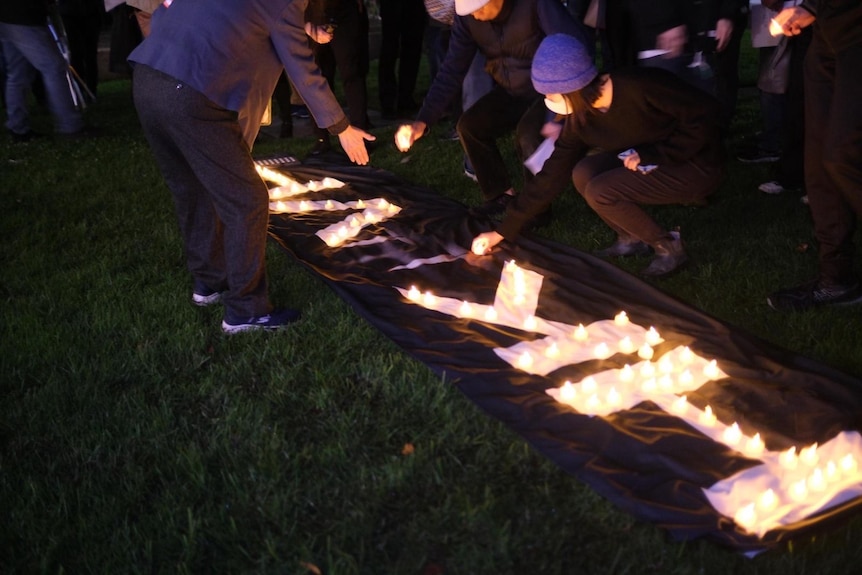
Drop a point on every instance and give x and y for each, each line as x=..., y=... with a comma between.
x=643, y=127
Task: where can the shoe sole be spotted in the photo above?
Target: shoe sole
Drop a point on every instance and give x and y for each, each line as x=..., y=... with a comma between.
x=205, y=300
x=854, y=301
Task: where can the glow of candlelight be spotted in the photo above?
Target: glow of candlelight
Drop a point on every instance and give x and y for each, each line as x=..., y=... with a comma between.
x=589, y=384
x=402, y=137
x=746, y=517
x=645, y=351
x=652, y=337
x=775, y=29
x=568, y=391
x=602, y=351
x=754, y=446
x=710, y=370
x=466, y=309
x=530, y=323
x=626, y=345
x=808, y=455
x=732, y=434
x=525, y=360
x=816, y=481
x=767, y=501
x=665, y=365
x=580, y=333
x=429, y=298
x=788, y=459
x=413, y=293
x=552, y=350
x=831, y=471
x=679, y=405
x=799, y=490
x=648, y=385
x=621, y=319
x=707, y=417
x=665, y=383
x=627, y=373
x=686, y=356
x=848, y=464
x=647, y=369
x=593, y=403
x=614, y=397
x=491, y=314
x=685, y=378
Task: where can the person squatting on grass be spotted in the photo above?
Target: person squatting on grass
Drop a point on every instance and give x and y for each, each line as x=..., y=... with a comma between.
x=507, y=33
x=657, y=140
x=833, y=147
x=201, y=82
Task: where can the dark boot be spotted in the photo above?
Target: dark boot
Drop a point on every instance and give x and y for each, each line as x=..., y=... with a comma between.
x=669, y=257
x=623, y=247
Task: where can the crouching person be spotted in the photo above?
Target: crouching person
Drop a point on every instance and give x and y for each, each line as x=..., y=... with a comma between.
x=657, y=140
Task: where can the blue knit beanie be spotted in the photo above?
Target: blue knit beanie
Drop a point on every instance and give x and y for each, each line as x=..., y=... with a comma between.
x=561, y=65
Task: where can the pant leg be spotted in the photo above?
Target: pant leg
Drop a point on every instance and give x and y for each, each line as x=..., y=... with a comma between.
x=528, y=134
x=414, y=21
x=390, y=47
x=221, y=201
x=19, y=75
x=493, y=116
x=615, y=193
x=833, y=153
x=350, y=50
x=35, y=44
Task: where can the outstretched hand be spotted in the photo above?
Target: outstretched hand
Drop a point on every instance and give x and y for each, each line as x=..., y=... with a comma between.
x=353, y=143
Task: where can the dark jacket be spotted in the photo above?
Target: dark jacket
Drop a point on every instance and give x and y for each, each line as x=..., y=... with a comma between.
x=664, y=119
x=838, y=21
x=24, y=12
x=508, y=43
x=233, y=52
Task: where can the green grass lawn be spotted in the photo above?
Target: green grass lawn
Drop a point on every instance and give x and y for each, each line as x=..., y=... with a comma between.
x=135, y=437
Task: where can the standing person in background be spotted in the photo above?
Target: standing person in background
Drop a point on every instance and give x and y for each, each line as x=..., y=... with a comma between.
x=143, y=13
x=833, y=148
x=402, y=29
x=659, y=142
x=341, y=34
x=28, y=42
x=201, y=84
x=507, y=33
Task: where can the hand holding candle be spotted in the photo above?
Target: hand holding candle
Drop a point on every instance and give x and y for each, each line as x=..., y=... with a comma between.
x=407, y=134
x=791, y=21
x=483, y=243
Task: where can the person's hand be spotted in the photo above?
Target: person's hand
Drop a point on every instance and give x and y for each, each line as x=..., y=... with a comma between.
x=723, y=32
x=793, y=20
x=409, y=133
x=552, y=130
x=673, y=41
x=353, y=143
x=319, y=34
x=484, y=242
x=632, y=161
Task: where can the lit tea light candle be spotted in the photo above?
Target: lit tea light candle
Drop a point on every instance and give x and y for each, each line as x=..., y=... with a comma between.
x=652, y=337
x=621, y=319
x=626, y=345
x=775, y=29
x=648, y=385
x=491, y=314
x=732, y=434
x=710, y=370
x=614, y=397
x=589, y=384
x=848, y=465
x=525, y=360
x=552, y=350
x=382, y=204
x=530, y=323
x=665, y=365
x=510, y=266
x=816, y=481
x=303, y=206
x=647, y=370
x=686, y=378
x=754, y=446
x=568, y=391
x=679, y=405
x=593, y=403
x=831, y=471
x=686, y=356
x=788, y=459
x=808, y=455
x=767, y=501
x=580, y=333
x=707, y=417
x=602, y=351
x=519, y=299
x=746, y=517
x=429, y=298
x=343, y=231
x=355, y=222
x=466, y=309
x=329, y=205
x=413, y=293
x=393, y=209
x=645, y=351
x=665, y=383
x=799, y=490
x=402, y=137
x=627, y=373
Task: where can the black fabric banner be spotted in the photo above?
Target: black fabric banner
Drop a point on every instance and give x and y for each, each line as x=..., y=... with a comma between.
x=718, y=435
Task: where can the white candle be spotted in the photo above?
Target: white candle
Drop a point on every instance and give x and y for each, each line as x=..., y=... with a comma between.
x=491, y=314
x=602, y=351
x=707, y=417
x=525, y=360
x=466, y=309
x=360, y=204
x=799, y=490
x=568, y=391
x=767, y=501
x=530, y=323
x=679, y=405
x=580, y=333
x=593, y=403
x=647, y=369
x=303, y=206
x=816, y=481
x=848, y=465
x=552, y=350
x=808, y=455
x=686, y=355
x=652, y=337
x=614, y=398
x=665, y=383
x=665, y=364
x=686, y=378
x=589, y=384
x=648, y=385
x=732, y=434
x=645, y=351
x=626, y=345
x=329, y=205
x=788, y=459
x=754, y=446
x=775, y=29
x=627, y=373
x=413, y=293
x=710, y=370
x=831, y=471
x=343, y=231
x=621, y=319
x=746, y=517
x=402, y=137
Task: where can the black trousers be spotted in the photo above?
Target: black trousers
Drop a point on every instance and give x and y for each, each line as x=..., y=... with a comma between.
x=494, y=115
x=222, y=204
x=402, y=28
x=833, y=152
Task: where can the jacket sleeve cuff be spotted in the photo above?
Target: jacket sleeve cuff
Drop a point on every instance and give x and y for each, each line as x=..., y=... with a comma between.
x=339, y=126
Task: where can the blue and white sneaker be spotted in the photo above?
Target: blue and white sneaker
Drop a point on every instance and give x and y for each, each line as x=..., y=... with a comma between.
x=273, y=320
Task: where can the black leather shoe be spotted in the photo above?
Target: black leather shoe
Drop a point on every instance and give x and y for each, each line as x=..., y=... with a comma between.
x=669, y=257
x=623, y=248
